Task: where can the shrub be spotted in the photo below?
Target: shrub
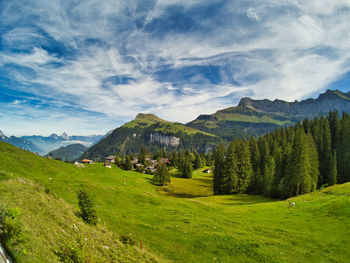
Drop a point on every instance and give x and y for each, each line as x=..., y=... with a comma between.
x=70, y=252
x=9, y=227
x=127, y=239
x=87, y=208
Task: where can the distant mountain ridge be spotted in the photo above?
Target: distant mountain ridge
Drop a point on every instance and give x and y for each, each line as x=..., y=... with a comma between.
x=331, y=100
x=54, y=141
x=20, y=143
x=249, y=117
x=45, y=144
x=70, y=152
x=154, y=133
x=257, y=117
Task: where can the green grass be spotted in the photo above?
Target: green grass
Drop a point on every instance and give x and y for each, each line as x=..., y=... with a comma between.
x=184, y=223
x=165, y=127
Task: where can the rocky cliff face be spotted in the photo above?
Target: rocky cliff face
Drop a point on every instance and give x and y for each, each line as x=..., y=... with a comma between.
x=328, y=101
x=166, y=140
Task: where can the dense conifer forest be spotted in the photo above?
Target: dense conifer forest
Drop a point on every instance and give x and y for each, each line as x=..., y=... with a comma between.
x=287, y=162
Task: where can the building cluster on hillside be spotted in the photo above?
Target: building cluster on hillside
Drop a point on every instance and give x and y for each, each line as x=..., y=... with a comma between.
x=149, y=167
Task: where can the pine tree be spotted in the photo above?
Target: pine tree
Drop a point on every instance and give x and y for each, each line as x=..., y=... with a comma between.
x=256, y=182
x=162, y=176
x=333, y=169
x=245, y=170
x=334, y=125
x=343, y=152
x=127, y=163
x=301, y=173
x=185, y=166
x=197, y=161
x=265, y=165
x=219, y=170
x=142, y=155
x=230, y=176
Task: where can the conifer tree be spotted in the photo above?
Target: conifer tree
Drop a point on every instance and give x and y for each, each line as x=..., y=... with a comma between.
x=219, y=170
x=230, y=174
x=333, y=169
x=343, y=153
x=256, y=181
x=162, y=176
x=197, y=161
x=185, y=166
x=245, y=171
x=127, y=163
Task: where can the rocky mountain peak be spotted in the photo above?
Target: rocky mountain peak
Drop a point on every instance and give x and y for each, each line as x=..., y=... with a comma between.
x=65, y=136
x=2, y=135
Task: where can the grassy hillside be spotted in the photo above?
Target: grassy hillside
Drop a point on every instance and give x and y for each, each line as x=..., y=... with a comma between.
x=128, y=138
x=182, y=222
x=240, y=122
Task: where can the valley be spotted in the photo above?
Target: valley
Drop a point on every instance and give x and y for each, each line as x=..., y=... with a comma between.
x=181, y=222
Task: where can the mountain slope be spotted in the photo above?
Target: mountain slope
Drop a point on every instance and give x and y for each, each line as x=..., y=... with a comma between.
x=154, y=133
x=257, y=117
x=54, y=141
x=48, y=223
x=198, y=228
x=70, y=152
x=20, y=143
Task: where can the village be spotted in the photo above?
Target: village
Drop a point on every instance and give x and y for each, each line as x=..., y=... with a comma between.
x=149, y=166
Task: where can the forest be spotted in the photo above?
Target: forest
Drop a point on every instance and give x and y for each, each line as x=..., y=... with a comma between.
x=287, y=162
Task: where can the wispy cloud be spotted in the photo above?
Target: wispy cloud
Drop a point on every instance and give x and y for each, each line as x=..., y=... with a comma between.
x=109, y=60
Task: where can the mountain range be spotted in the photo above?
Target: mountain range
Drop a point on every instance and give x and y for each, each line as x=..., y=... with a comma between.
x=43, y=144
x=249, y=117
x=69, y=152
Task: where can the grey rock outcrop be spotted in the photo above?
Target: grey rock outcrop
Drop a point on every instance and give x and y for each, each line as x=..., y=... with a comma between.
x=166, y=140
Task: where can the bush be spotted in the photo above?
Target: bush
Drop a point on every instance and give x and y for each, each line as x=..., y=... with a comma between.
x=9, y=227
x=87, y=208
x=70, y=252
x=127, y=239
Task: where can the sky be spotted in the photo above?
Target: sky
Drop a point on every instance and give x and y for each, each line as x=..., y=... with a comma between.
x=86, y=67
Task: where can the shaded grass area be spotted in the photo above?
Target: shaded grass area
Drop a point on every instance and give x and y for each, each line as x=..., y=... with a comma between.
x=186, y=223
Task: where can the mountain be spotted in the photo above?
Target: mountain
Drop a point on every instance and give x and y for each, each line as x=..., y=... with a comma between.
x=70, y=152
x=154, y=133
x=20, y=143
x=331, y=100
x=257, y=117
x=54, y=141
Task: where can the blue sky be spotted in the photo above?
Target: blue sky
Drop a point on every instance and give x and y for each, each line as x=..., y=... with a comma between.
x=87, y=67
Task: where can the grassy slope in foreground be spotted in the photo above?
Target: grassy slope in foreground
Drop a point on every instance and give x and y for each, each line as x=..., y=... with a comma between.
x=235, y=228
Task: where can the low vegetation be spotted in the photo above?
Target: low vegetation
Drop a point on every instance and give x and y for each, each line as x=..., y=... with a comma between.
x=179, y=222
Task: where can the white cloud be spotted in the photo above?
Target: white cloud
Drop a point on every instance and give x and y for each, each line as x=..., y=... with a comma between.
x=286, y=50
x=252, y=14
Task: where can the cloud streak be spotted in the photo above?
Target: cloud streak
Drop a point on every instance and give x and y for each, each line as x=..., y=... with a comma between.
x=113, y=59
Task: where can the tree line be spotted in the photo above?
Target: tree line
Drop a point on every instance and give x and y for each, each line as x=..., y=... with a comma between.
x=287, y=162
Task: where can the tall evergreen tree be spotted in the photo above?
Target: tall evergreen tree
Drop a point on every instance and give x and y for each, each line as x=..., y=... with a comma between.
x=127, y=163
x=333, y=169
x=219, y=170
x=245, y=170
x=197, y=161
x=343, y=153
x=185, y=166
x=230, y=174
x=256, y=185
x=162, y=176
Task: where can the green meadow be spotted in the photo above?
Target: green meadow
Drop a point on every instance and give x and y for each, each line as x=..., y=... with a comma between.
x=181, y=222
